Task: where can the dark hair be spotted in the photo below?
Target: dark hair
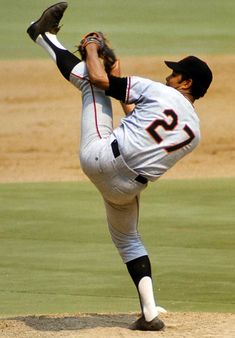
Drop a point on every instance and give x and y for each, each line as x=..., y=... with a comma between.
x=196, y=89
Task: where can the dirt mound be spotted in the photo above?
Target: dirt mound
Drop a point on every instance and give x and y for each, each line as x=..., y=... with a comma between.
x=180, y=325
x=40, y=121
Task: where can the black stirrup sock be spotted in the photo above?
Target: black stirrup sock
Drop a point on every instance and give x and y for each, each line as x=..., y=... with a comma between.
x=65, y=60
x=139, y=268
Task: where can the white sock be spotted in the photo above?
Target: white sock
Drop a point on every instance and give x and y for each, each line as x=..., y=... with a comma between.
x=145, y=288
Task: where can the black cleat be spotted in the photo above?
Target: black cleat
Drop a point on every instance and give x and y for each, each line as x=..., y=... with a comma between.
x=49, y=21
x=142, y=325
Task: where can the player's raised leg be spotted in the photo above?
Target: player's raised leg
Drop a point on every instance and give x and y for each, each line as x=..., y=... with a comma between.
x=44, y=31
x=97, y=110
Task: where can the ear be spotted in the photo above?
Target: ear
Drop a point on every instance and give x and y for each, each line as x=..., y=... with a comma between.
x=186, y=84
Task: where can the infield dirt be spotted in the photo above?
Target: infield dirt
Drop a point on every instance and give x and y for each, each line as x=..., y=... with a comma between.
x=39, y=141
x=179, y=325
x=40, y=121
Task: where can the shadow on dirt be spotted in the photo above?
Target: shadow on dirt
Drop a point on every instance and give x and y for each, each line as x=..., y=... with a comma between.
x=76, y=322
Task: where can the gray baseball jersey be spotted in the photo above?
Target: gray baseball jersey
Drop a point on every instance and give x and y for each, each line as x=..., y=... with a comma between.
x=162, y=129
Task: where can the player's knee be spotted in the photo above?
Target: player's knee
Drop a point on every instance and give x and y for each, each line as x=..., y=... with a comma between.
x=129, y=246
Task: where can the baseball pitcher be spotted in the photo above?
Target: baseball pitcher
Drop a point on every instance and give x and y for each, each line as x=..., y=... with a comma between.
x=159, y=128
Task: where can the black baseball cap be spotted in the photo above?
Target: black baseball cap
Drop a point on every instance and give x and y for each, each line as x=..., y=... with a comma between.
x=195, y=69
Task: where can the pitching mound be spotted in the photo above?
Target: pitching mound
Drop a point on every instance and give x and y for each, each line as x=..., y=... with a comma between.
x=193, y=325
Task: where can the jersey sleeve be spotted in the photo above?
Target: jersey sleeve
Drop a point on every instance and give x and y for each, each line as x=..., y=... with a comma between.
x=117, y=88
x=127, y=89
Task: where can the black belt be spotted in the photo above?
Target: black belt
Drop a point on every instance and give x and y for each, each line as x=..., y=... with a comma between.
x=116, y=153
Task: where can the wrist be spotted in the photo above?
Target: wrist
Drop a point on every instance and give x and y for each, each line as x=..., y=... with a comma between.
x=92, y=47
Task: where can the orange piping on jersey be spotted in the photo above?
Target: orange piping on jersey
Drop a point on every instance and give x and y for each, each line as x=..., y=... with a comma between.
x=94, y=102
x=95, y=111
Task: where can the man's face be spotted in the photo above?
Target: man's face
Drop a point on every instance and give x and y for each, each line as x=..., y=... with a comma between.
x=174, y=80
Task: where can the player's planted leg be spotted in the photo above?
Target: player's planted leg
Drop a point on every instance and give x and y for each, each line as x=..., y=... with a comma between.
x=123, y=220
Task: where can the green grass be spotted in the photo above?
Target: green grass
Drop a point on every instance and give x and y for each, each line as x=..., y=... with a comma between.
x=135, y=27
x=57, y=256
